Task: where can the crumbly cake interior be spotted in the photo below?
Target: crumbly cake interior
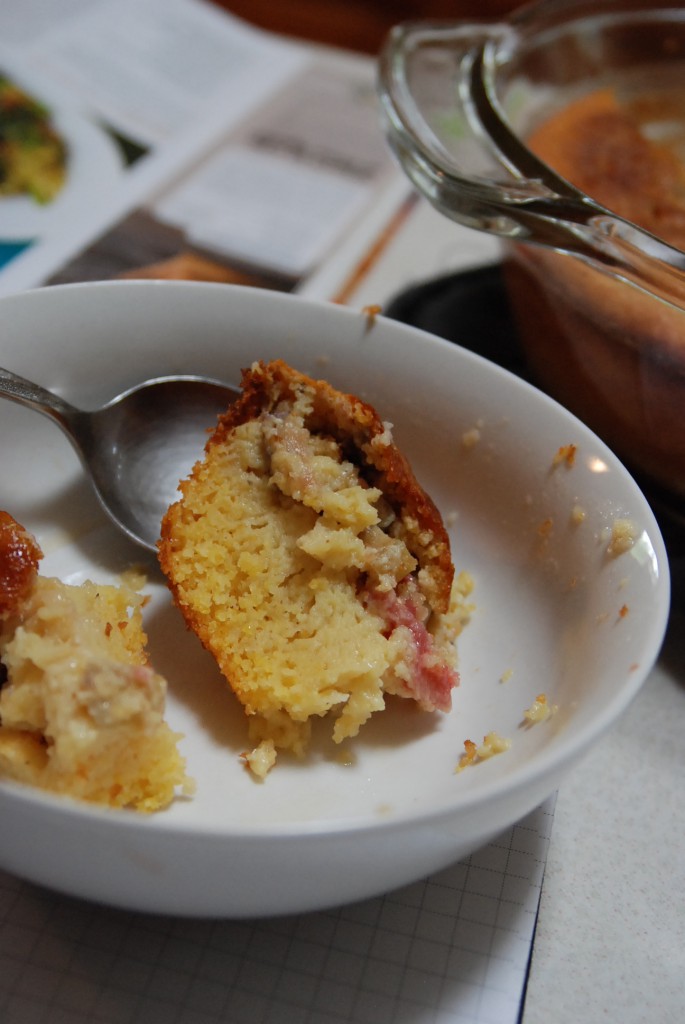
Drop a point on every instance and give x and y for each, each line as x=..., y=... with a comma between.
x=315, y=591
x=81, y=712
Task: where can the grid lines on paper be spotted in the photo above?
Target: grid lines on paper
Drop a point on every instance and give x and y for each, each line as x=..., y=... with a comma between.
x=451, y=949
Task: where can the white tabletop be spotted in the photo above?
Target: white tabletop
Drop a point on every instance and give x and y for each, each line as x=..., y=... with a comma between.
x=610, y=939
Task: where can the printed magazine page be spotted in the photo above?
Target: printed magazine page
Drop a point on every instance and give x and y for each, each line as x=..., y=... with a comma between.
x=139, y=158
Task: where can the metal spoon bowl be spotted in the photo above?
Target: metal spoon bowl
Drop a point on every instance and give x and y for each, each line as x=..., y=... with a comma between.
x=138, y=446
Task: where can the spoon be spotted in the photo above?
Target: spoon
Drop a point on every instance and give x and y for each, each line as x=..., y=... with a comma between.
x=138, y=446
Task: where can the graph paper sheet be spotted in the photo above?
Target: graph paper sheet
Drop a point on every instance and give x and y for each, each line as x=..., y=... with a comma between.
x=451, y=949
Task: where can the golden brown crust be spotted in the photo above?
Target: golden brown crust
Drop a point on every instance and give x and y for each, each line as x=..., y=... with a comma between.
x=596, y=143
x=19, y=558
x=364, y=438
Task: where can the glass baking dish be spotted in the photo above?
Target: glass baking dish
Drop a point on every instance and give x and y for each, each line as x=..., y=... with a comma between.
x=500, y=126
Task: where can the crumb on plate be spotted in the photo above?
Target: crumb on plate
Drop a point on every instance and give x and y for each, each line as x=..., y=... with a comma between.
x=578, y=515
x=623, y=536
x=470, y=438
x=545, y=528
x=566, y=455
x=492, y=744
x=539, y=711
x=371, y=312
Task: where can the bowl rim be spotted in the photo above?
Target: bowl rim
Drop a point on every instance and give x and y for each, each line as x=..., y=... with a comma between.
x=544, y=763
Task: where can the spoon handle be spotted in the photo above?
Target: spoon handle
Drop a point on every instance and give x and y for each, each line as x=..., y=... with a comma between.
x=25, y=392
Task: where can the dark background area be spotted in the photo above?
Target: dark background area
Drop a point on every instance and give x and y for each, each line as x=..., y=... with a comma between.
x=357, y=24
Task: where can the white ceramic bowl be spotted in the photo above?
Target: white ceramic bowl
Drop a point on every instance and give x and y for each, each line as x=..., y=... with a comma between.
x=548, y=609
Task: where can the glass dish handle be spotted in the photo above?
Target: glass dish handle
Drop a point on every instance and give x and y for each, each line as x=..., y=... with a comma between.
x=448, y=133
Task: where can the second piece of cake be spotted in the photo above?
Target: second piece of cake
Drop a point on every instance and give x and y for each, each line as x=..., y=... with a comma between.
x=312, y=565
x=81, y=710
